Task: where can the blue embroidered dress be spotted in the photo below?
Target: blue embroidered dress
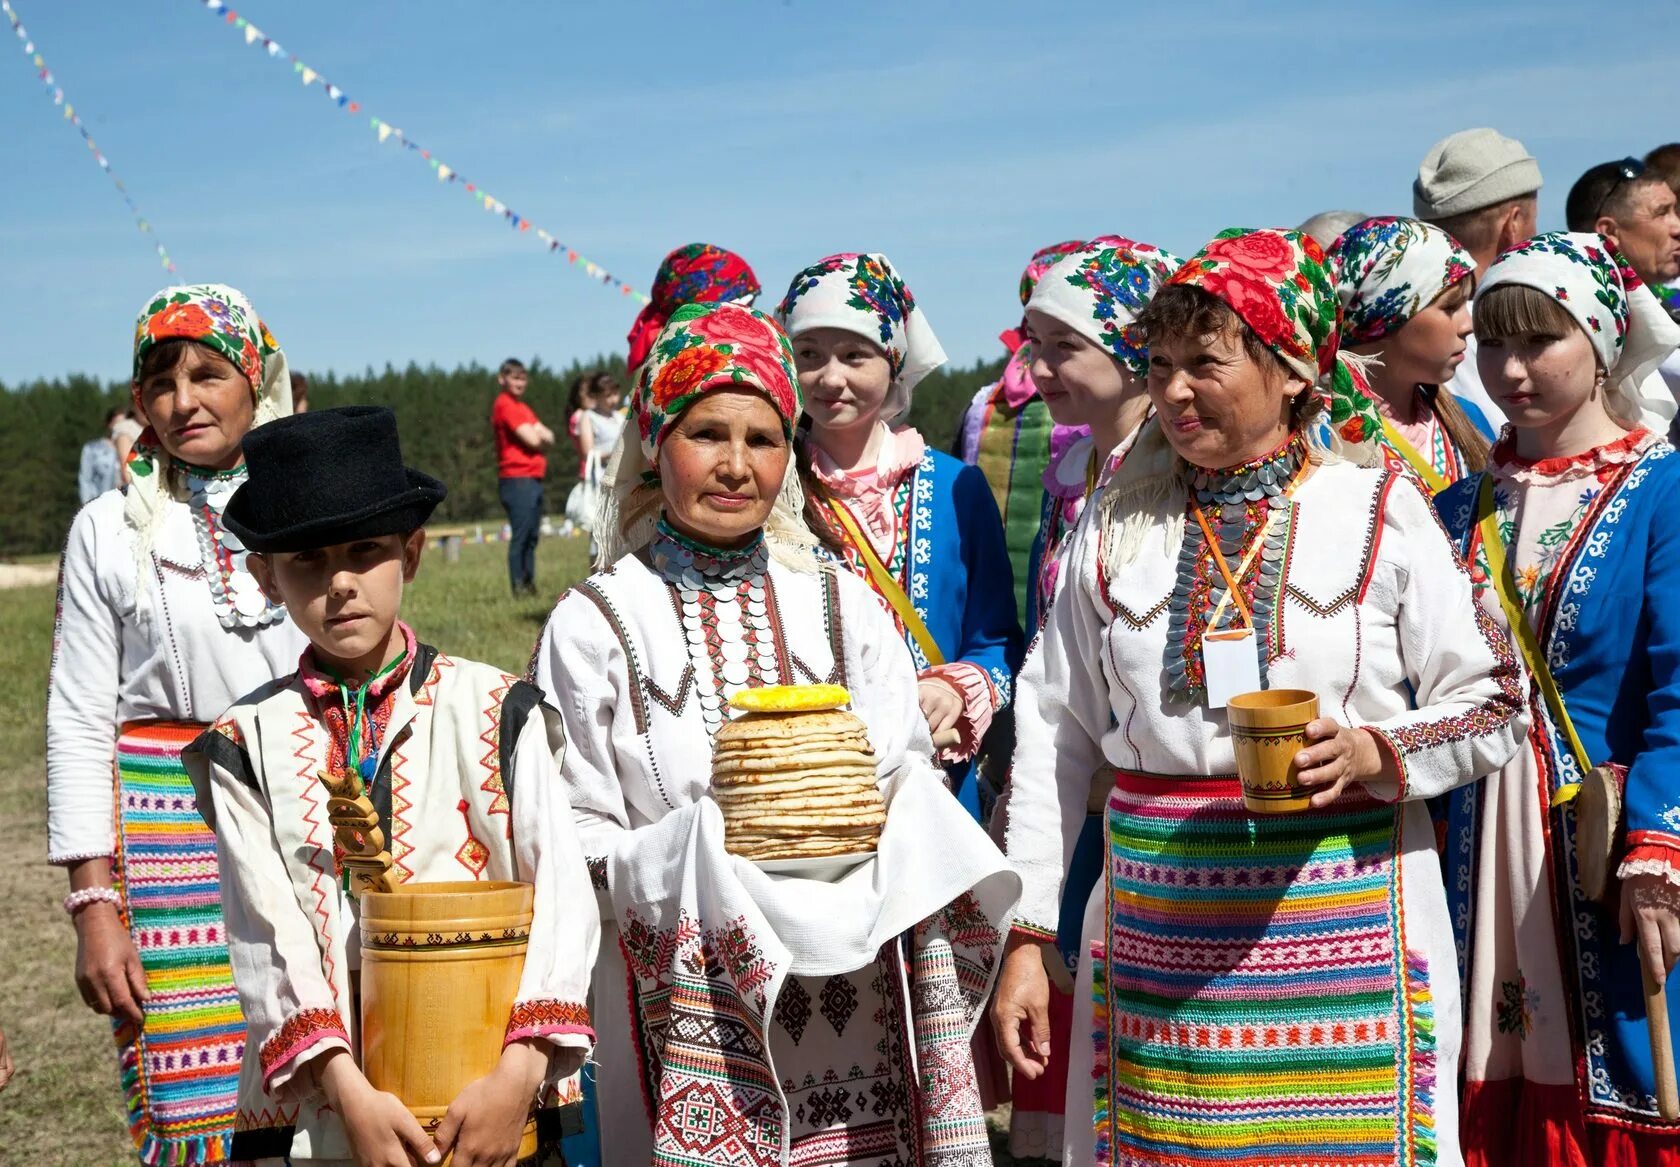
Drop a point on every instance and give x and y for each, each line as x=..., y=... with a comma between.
x=1557, y=1056
x=935, y=526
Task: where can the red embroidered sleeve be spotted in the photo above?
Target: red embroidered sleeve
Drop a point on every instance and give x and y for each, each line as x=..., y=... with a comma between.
x=547, y=1017
x=299, y=1032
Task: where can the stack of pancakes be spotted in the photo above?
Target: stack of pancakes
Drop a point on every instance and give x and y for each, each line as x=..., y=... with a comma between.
x=797, y=784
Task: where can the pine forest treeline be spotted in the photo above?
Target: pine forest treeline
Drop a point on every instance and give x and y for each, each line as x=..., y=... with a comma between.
x=443, y=416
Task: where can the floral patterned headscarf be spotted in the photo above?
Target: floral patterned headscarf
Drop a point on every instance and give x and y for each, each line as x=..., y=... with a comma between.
x=1281, y=285
x=1389, y=269
x=221, y=319
x=1098, y=292
x=1042, y=261
x=1628, y=328
x=862, y=294
x=696, y=274
x=713, y=346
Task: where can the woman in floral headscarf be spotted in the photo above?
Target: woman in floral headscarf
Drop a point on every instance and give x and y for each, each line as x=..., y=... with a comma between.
x=1007, y=432
x=919, y=525
x=1405, y=290
x=757, y=1020
x=1272, y=988
x=160, y=628
x=1571, y=538
x=696, y=274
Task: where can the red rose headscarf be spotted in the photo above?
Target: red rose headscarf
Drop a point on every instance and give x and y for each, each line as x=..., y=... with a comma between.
x=703, y=348
x=697, y=274
x=713, y=346
x=1282, y=286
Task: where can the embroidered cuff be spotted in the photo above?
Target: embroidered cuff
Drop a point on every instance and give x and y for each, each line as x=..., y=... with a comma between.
x=1651, y=853
x=980, y=700
x=550, y=1018
x=308, y=1031
x=1033, y=932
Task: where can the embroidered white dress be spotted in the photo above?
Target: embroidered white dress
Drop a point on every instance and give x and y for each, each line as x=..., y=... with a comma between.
x=1188, y=987
x=764, y=1020
x=116, y=660
x=293, y=931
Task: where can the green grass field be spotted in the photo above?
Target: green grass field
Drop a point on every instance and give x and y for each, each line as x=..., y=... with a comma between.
x=64, y=1107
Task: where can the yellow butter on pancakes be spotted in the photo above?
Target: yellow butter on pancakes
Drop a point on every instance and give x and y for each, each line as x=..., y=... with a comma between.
x=794, y=775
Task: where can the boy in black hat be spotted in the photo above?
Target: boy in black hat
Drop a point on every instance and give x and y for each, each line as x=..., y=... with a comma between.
x=437, y=769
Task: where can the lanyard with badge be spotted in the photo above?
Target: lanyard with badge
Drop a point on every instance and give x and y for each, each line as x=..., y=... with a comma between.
x=1231, y=656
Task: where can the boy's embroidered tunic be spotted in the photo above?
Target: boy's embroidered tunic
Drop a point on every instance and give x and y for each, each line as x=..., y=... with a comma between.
x=465, y=774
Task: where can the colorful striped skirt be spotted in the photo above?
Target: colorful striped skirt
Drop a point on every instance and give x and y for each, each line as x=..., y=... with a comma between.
x=180, y=1070
x=1253, y=1003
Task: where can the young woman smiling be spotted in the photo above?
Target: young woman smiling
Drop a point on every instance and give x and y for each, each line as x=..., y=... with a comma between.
x=919, y=525
x=1571, y=540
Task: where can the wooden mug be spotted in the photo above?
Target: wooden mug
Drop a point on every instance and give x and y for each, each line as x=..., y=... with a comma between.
x=1268, y=729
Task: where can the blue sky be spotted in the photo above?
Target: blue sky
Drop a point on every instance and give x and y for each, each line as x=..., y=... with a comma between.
x=955, y=137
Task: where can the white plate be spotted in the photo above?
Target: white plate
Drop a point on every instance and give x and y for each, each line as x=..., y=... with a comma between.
x=827, y=868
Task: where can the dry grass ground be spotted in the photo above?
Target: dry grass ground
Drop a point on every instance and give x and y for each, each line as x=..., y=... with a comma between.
x=64, y=1107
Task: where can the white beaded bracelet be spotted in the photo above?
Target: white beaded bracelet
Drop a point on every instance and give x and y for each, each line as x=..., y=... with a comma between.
x=77, y=900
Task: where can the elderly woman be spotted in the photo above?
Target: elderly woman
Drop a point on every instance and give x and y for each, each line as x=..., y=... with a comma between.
x=160, y=628
x=920, y=526
x=1405, y=290
x=1261, y=989
x=1570, y=533
x=756, y=1019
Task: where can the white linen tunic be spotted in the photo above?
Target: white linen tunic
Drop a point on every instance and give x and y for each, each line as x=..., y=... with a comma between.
x=825, y=982
x=118, y=657
x=1375, y=617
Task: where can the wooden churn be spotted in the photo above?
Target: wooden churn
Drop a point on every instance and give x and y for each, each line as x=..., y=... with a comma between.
x=440, y=970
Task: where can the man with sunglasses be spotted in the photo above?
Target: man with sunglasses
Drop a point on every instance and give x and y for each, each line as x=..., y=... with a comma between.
x=1635, y=208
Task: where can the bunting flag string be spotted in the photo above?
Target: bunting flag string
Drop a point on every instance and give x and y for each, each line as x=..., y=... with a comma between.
x=387, y=132
x=51, y=82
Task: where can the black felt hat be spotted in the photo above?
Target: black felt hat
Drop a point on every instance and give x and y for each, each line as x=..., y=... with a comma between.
x=317, y=479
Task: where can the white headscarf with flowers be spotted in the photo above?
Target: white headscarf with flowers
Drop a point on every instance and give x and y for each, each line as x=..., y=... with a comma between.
x=862, y=294
x=221, y=319
x=1626, y=323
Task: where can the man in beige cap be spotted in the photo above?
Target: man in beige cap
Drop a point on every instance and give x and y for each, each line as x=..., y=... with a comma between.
x=1481, y=188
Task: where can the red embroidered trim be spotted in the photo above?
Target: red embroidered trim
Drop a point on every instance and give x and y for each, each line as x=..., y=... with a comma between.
x=1658, y=845
x=545, y=1016
x=301, y=1030
x=1625, y=449
x=1032, y=932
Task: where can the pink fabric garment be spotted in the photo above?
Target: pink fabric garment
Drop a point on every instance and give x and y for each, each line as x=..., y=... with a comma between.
x=868, y=494
x=868, y=491
x=1016, y=382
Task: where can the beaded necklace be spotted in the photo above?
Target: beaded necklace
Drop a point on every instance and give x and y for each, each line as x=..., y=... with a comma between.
x=1240, y=505
x=234, y=593
x=724, y=598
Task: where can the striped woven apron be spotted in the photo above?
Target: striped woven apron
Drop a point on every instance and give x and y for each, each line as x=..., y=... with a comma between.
x=180, y=1070
x=1253, y=1000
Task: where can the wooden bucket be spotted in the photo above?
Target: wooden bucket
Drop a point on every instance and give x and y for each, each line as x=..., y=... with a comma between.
x=440, y=971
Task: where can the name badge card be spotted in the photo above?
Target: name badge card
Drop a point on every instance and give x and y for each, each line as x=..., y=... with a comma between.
x=1230, y=664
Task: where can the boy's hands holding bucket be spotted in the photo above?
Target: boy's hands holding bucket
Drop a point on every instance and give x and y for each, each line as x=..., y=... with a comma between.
x=381, y=1130
x=487, y=1119
x=1336, y=756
